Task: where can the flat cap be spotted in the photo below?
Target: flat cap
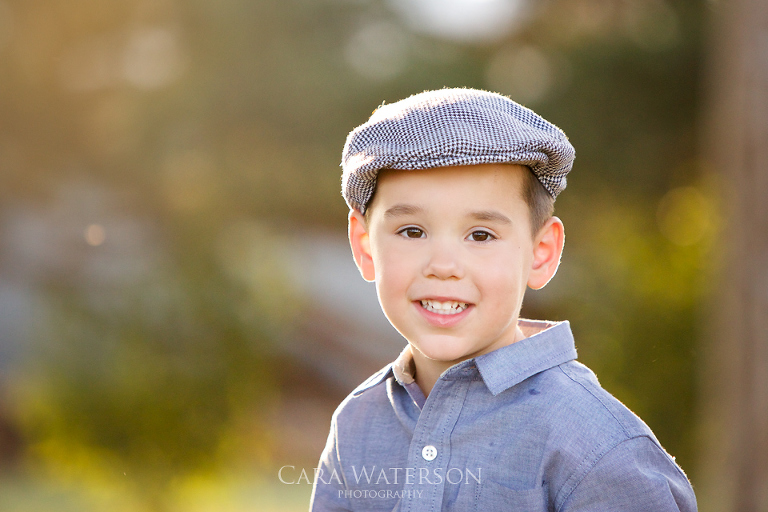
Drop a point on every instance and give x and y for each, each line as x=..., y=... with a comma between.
x=452, y=127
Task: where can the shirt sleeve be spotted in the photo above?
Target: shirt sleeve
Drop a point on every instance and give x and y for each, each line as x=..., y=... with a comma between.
x=636, y=475
x=328, y=492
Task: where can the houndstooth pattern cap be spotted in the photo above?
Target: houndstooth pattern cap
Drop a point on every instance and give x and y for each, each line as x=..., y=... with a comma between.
x=452, y=127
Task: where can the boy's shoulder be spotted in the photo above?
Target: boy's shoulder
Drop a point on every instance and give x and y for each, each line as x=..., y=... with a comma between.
x=374, y=380
x=370, y=393
x=579, y=395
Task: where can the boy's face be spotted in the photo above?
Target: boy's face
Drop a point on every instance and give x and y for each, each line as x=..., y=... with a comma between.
x=451, y=253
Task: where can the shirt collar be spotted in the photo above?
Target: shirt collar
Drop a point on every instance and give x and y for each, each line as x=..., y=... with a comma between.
x=548, y=345
x=403, y=367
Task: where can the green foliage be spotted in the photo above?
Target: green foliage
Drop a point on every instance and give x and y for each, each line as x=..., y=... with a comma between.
x=163, y=379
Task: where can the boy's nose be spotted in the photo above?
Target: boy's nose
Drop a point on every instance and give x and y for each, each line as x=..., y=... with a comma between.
x=443, y=263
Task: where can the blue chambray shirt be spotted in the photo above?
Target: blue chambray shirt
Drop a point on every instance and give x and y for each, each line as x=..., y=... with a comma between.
x=523, y=428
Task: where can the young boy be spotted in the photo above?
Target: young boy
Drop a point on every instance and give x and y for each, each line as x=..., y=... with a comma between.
x=451, y=195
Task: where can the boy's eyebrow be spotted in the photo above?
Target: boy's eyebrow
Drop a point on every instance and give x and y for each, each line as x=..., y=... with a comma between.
x=490, y=215
x=399, y=210
x=402, y=209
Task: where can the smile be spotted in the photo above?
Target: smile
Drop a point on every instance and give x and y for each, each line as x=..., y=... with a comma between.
x=443, y=308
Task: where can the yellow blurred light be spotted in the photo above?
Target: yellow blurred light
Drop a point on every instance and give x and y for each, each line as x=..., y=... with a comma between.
x=95, y=235
x=685, y=216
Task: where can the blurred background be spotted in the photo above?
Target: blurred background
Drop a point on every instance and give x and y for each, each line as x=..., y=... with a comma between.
x=179, y=311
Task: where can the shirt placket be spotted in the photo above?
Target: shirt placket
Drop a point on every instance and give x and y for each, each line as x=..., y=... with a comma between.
x=429, y=454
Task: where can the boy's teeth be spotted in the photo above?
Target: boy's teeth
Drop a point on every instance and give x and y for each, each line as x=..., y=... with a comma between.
x=444, y=308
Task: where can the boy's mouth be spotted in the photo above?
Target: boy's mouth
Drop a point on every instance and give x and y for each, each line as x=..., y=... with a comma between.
x=450, y=307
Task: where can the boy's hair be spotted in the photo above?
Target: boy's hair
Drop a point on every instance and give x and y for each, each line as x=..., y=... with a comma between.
x=454, y=127
x=541, y=205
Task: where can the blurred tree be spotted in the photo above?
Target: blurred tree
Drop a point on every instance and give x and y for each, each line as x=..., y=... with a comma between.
x=734, y=382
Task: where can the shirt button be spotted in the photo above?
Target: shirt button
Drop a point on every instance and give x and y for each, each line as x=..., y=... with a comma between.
x=429, y=452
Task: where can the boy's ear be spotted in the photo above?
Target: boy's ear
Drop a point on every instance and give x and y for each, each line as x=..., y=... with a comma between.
x=361, y=245
x=547, y=249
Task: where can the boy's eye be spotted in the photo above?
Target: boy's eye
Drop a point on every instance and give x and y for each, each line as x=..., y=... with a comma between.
x=480, y=236
x=411, y=232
